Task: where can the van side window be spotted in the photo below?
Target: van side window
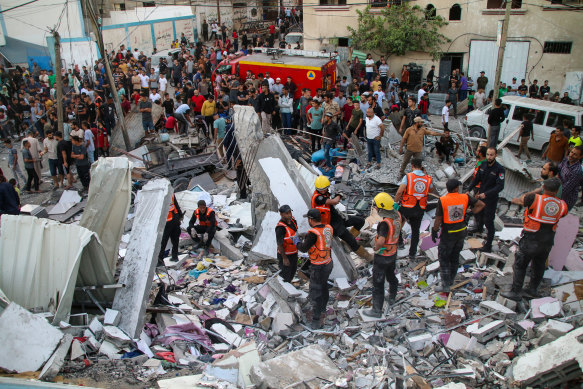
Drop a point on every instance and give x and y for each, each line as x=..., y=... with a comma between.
x=539, y=117
x=556, y=119
x=519, y=112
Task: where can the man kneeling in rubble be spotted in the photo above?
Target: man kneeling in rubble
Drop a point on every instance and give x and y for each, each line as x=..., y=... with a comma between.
x=207, y=223
x=318, y=244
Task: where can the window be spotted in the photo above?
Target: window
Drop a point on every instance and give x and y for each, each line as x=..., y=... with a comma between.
x=332, y=2
x=493, y=4
x=149, y=3
x=378, y=3
x=430, y=12
x=342, y=42
x=556, y=119
x=558, y=47
x=537, y=115
x=120, y=6
x=455, y=12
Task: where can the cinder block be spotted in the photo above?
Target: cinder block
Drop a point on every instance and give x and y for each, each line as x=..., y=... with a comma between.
x=112, y=317
x=501, y=312
x=286, y=290
x=418, y=342
x=489, y=259
x=489, y=331
x=457, y=341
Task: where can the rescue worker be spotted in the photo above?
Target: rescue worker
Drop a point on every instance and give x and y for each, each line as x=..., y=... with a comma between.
x=324, y=202
x=385, y=257
x=318, y=244
x=171, y=231
x=542, y=213
x=207, y=223
x=287, y=252
x=480, y=159
x=450, y=217
x=412, y=197
x=490, y=177
x=549, y=170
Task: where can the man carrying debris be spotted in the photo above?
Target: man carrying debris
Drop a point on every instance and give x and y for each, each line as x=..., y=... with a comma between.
x=385, y=258
x=287, y=252
x=451, y=217
x=490, y=177
x=412, y=197
x=207, y=223
x=171, y=231
x=324, y=202
x=541, y=216
x=318, y=244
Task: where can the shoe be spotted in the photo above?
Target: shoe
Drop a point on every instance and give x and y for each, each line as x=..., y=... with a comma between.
x=400, y=245
x=316, y=325
x=392, y=300
x=174, y=259
x=486, y=248
x=512, y=295
x=411, y=256
x=442, y=288
x=373, y=313
x=475, y=231
x=354, y=232
x=530, y=293
x=160, y=262
x=361, y=252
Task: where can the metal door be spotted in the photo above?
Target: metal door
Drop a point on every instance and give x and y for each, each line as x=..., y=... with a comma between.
x=444, y=73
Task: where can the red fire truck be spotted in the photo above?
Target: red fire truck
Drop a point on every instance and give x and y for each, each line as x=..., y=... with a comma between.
x=307, y=71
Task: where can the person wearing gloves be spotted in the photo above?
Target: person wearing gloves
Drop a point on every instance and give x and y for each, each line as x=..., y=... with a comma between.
x=207, y=223
x=451, y=217
x=285, y=236
x=385, y=258
x=171, y=231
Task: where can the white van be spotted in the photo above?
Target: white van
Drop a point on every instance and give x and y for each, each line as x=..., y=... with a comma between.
x=547, y=116
x=170, y=54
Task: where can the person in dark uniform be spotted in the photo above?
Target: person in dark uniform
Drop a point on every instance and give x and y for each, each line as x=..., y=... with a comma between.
x=171, y=231
x=287, y=252
x=450, y=217
x=490, y=178
x=542, y=213
x=385, y=258
x=318, y=244
x=324, y=202
x=412, y=197
x=207, y=223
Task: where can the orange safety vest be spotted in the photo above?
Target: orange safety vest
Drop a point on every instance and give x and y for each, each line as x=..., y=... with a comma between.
x=546, y=210
x=172, y=210
x=324, y=209
x=454, y=207
x=321, y=252
x=392, y=239
x=417, y=190
x=207, y=222
x=476, y=169
x=288, y=241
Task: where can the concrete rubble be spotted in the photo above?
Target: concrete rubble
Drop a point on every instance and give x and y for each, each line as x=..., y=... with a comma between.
x=225, y=319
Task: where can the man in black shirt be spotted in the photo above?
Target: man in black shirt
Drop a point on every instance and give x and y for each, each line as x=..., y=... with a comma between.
x=80, y=110
x=526, y=132
x=446, y=146
x=287, y=252
x=242, y=95
x=533, y=90
x=91, y=110
x=107, y=114
x=168, y=105
x=171, y=231
x=495, y=119
x=266, y=103
x=451, y=218
x=207, y=223
x=490, y=176
x=522, y=87
x=545, y=89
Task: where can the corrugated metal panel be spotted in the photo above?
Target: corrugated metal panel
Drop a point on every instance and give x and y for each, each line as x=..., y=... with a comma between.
x=484, y=55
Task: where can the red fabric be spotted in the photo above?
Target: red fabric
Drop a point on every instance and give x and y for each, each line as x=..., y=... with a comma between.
x=167, y=356
x=198, y=102
x=171, y=123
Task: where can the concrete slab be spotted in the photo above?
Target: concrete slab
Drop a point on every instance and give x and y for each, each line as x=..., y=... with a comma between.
x=501, y=312
x=535, y=305
x=281, y=321
x=303, y=364
x=237, y=364
x=457, y=341
x=185, y=382
x=152, y=205
x=53, y=366
x=567, y=230
x=27, y=340
x=112, y=317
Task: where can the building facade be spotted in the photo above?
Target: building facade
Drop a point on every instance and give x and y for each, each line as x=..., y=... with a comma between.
x=544, y=39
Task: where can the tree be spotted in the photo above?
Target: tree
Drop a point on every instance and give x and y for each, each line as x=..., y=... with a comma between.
x=398, y=30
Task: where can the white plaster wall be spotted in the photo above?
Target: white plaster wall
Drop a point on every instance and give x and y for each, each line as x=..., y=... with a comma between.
x=79, y=53
x=141, y=14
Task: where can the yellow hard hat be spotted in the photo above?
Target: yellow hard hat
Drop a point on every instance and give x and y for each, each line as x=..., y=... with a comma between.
x=322, y=182
x=384, y=201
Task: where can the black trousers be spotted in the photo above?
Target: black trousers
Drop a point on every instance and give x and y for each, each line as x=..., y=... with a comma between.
x=414, y=218
x=534, y=250
x=486, y=218
x=443, y=151
x=84, y=175
x=448, y=253
x=172, y=232
x=316, y=140
x=319, y=290
x=340, y=230
x=208, y=230
x=288, y=272
x=383, y=268
x=32, y=176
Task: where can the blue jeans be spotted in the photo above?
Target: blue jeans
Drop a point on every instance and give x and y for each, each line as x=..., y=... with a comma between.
x=148, y=125
x=286, y=121
x=327, y=158
x=374, y=147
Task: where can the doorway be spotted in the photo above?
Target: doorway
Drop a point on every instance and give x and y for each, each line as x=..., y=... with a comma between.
x=447, y=63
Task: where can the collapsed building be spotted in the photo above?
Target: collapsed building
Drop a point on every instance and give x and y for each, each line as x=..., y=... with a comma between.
x=84, y=302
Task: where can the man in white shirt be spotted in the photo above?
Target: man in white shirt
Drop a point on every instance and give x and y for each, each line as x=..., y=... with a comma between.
x=144, y=82
x=155, y=96
x=162, y=82
x=182, y=114
x=50, y=149
x=445, y=114
x=374, y=132
x=421, y=92
x=89, y=142
x=270, y=80
x=479, y=99
x=379, y=95
x=513, y=89
x=136, y=54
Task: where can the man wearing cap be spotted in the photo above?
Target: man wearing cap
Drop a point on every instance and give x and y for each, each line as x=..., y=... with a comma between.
x=287, y=252
x=277, y=88
x=450, y=217
x=482, y=81
x=385, y=258
x=542, y=213
x=413, y=139
x=318, y=244
x=412, y=197
x=331, y=106
x=331, y=131
x=207, y=223
x=490, y=178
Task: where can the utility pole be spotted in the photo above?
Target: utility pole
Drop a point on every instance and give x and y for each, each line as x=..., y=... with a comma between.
x=58, y=80
x=501, y=49
x=219, y=12
x=99, y=38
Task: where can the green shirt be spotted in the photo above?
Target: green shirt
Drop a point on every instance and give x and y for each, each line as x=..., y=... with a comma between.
x=316, y=118
x=501, y=92
x=470, y=100
x=220, y=125
x=52, y=79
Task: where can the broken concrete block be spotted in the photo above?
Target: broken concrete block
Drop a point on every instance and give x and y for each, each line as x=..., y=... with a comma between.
x=235, y=366
x=499, y=310
x=110, y=350
x=281, y=321
x=489, y=259
x=489, y=331
x=467, y=256
x=342, y=283
x=93, y=343
x=418, y=342
x=76, y=350
x=510, y=304
x=555, y=327
x=286, y=290
x=457, y=341
x=116, y=336
x=432, y=267
x=229, y=336
x=552, y=309
x=53, y=366
x=112, y=317
x=96, y=327
x=300, y=365
x=27, y=340
x=226, y=248
x=552, y=364
x=432, y=253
